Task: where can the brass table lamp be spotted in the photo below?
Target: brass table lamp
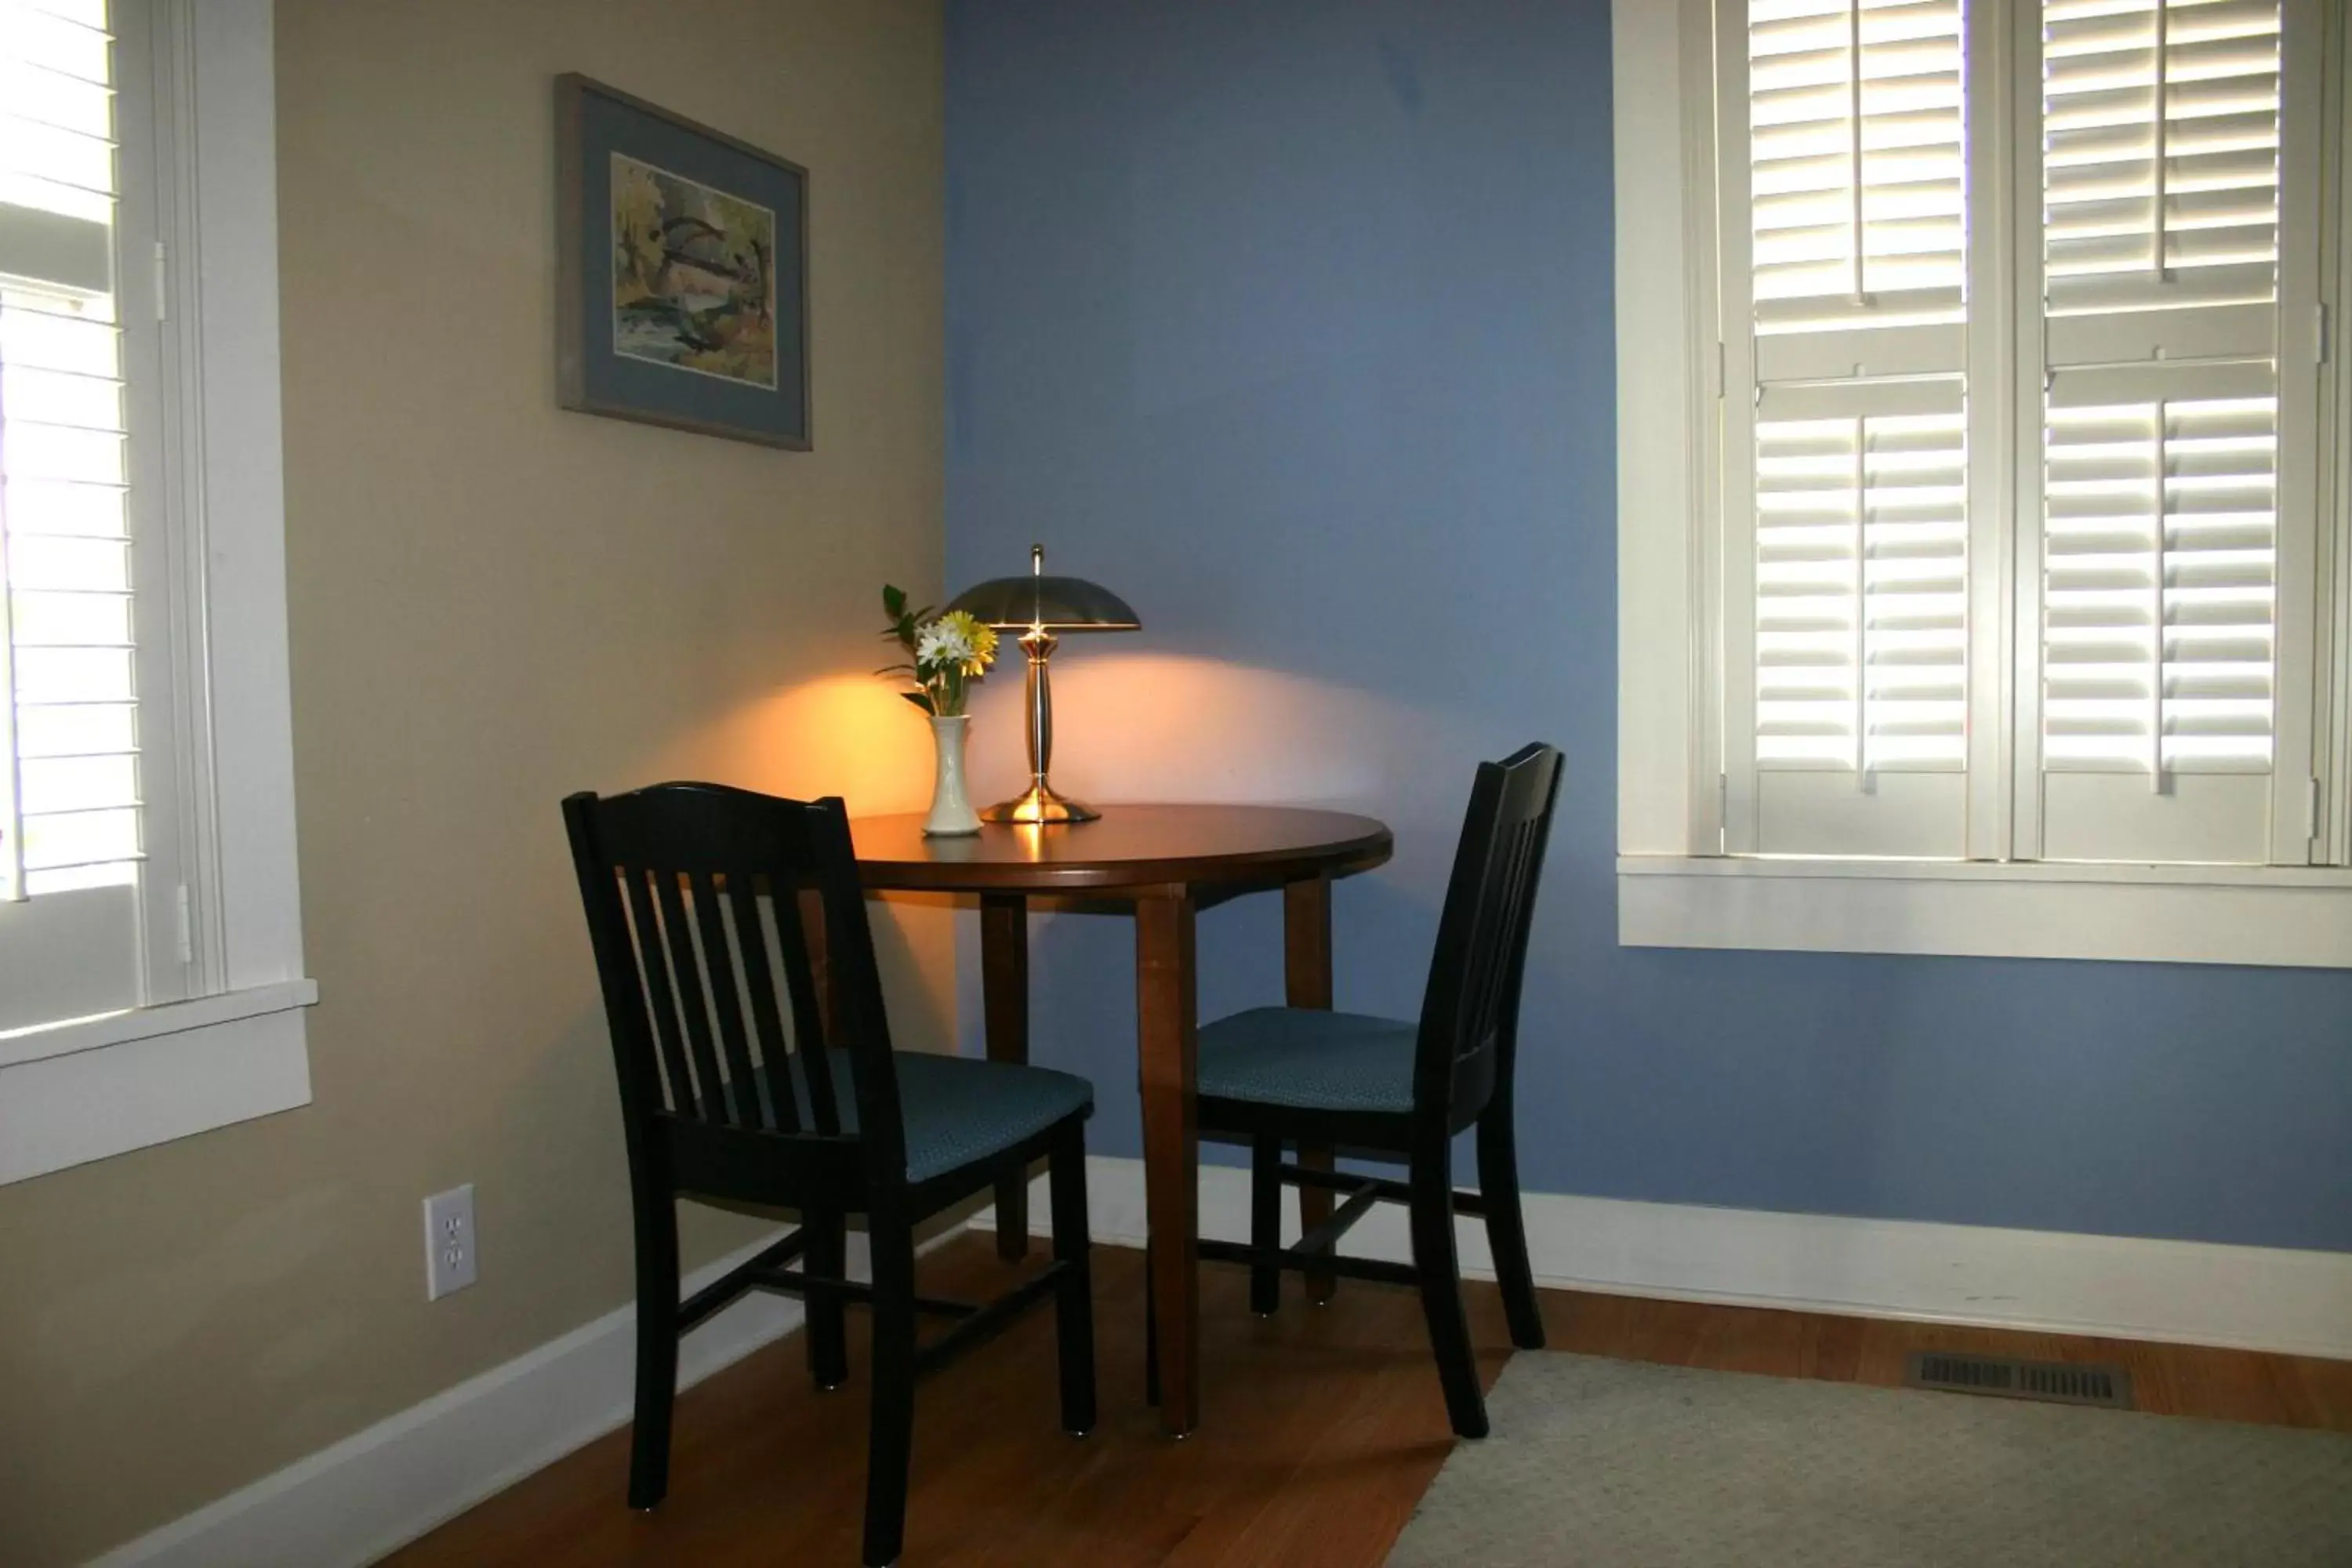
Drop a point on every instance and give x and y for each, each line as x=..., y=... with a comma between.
x=1037, y=608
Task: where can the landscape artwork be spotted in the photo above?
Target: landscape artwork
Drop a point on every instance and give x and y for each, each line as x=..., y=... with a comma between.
x=694, y=276
x=681, y=272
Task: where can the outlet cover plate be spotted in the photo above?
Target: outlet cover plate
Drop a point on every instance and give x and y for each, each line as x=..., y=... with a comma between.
x=450, y=1262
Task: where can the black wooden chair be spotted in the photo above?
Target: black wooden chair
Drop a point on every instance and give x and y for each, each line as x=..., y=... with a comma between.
x=1397, y=1090
x=698, y=896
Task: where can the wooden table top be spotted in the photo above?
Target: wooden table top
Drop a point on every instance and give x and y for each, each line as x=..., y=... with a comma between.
x=1129, y=846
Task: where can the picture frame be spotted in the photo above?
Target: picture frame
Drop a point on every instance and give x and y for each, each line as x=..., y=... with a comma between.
x=681, y=274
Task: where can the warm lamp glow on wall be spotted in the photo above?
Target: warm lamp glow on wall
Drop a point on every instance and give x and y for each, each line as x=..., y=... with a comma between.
x=1037, y=608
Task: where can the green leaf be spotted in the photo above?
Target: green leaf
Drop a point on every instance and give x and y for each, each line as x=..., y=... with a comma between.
x=894, y=601
x=919, y=698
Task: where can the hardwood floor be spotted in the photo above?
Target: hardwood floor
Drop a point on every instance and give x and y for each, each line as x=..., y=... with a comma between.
x=1320, y=1428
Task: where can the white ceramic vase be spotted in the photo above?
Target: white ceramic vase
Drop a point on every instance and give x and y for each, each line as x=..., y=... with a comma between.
x=951, y=813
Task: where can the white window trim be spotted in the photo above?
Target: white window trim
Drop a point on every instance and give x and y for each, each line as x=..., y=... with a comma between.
x=1675, y=889
x=92, y=1088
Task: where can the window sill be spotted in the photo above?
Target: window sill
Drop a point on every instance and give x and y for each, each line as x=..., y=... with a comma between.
x=2277, y=916
x=98, y=1086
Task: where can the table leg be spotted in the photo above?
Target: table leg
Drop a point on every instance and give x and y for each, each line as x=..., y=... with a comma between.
x=1004, y=987
x=1167, y=1026
x=1307, y=980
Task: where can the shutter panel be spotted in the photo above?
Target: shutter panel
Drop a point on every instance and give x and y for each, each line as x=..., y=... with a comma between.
x=2160, y=556
x=1861, y=586
x=69, y=803
x=1847, y=591
x=2161, y=183
x=2163, y=428
x=1854, y=229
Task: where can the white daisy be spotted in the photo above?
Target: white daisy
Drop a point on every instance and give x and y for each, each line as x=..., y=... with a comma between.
x=942, y=642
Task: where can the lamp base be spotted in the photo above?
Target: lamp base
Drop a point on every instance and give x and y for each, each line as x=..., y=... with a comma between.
x=1039, y=803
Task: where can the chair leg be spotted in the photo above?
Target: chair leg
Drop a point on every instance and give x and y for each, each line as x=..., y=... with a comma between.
x=891, y=1449
x=1074, y=1298
x=1150, y=1336
x=1507, y=1231
x=828, y=1339
x=1315, y=1206
x=1434, y=1259
x=657, y=1232
x=1265, y=1221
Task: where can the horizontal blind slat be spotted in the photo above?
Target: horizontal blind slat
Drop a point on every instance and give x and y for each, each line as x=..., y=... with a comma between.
x=67, y=578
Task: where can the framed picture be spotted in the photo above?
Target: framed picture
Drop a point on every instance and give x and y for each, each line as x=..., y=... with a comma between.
x=682, y=280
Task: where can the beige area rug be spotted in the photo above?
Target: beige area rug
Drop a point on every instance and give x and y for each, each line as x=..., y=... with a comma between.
x=1617, y=1464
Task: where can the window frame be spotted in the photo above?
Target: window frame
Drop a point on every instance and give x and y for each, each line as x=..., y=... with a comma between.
x=1675, y=885
x=236, y=1047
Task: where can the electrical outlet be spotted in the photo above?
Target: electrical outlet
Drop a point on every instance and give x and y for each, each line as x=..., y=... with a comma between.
x=448, y=1241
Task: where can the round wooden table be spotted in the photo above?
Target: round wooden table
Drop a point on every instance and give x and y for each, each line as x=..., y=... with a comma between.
x=1167, y=862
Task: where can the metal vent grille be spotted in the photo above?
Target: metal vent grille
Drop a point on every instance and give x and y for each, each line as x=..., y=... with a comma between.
x=2005, y=1377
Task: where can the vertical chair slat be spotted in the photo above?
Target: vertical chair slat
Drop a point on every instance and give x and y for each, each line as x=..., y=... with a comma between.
x=808, y=1014
x=767, y=1021
x=693, y=1001
x=726, y=1000
x=1510, y=902
x=1494, y=955
x=683, y=1091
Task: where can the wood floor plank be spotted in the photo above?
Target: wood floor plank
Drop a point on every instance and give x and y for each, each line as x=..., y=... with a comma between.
x=1321, y=1428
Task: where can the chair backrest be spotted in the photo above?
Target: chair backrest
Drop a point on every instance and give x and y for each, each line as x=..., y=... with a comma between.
x=732, y=949
x=1470, y=1012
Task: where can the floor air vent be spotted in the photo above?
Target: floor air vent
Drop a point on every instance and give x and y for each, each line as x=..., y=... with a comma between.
x=2051, y=1382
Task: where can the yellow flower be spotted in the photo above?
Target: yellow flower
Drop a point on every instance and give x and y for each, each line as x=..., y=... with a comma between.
x=980, y=638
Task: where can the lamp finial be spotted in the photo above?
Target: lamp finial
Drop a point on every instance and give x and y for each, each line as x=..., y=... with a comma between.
x=1036, y=561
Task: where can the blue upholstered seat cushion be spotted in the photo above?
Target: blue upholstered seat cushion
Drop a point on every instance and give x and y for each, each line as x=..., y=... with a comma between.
x=1309, y=1059
x=957, y=1109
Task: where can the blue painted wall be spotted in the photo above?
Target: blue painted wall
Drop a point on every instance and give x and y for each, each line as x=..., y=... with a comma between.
x=1291, y=320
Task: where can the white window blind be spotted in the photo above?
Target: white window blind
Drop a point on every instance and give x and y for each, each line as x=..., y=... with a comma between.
x=2163, y=525
x=2006, y=390
x=70, y=796
x=1846, y=397
x=1855, y=164
x=2164, y=428
x=2160, y=160
x=1861, y=591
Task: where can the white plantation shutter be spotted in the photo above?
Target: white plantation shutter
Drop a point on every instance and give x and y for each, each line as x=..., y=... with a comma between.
x=2174, y=451
x=2160, y=160
x=71, y=802
x=1861, y=590
x=2162, y=544
x=1846, y=282
x=1856, y=167
x=2020, y=548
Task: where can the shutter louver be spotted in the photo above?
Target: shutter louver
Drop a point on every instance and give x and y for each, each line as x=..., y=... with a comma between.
x=1857, y=179
x=1862, y=591
x=2161, y=156
x=69, y=806
x=2160, y=554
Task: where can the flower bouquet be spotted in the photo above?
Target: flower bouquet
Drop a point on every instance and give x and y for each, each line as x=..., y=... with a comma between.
x=945, y=655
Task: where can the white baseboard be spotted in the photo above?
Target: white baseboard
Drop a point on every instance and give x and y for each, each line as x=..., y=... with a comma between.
x=2252, y=1298
x=382, y=1487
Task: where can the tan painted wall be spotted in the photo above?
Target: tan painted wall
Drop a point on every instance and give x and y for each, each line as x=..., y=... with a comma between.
x=493, y=603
